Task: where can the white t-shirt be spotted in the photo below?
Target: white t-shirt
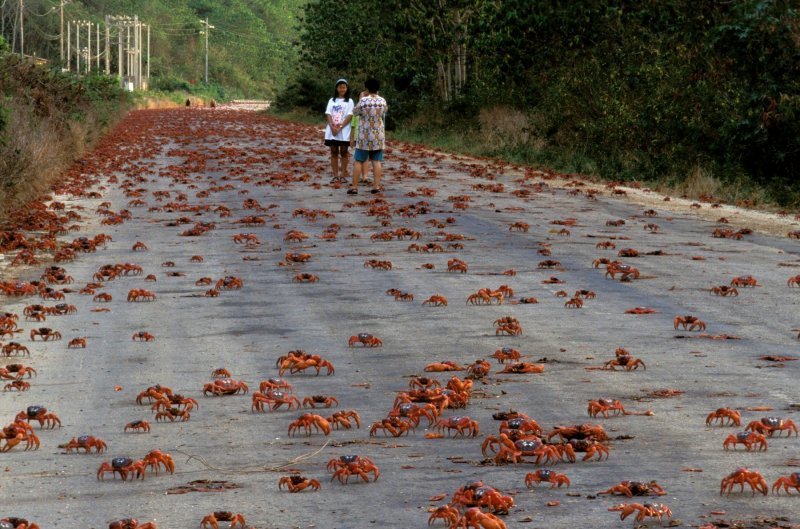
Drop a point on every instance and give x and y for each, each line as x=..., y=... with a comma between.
x=339, y=109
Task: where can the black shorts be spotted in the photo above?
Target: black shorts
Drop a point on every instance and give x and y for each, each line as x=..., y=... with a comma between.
x=340, y=143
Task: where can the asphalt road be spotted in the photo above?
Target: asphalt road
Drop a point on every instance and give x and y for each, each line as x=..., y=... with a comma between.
x=225, y=157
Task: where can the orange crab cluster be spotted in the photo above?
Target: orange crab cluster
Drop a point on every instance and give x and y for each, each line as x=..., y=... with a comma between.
x=187, y=193
x=298, y=361
x=520, y=436
x=508, y=325
x=16, y=433
x=485, y=296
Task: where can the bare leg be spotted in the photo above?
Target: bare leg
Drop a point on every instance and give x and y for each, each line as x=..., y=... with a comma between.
x=345, y=160
x=365, y=171
x=357, y=167
x=377, y=172
x=335, y=160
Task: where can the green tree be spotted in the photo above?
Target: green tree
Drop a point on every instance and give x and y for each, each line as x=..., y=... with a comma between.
x=647, y=89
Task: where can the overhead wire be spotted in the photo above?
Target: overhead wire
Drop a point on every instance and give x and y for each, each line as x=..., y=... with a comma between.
x=169, y=24
x=179, y=34
x=240, y=35
x=29, y=11
x=48, y=36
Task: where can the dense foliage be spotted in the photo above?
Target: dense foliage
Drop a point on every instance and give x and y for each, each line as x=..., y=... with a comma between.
x=47, y=119
x=250, y=48
x=650, y=89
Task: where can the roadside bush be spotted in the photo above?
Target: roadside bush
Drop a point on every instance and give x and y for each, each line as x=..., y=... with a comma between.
x=306, y=91
x=47, y=119
x=655, y=90
x=168, y=83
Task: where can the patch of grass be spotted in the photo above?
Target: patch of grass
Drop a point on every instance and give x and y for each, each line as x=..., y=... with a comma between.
x=298, y=115
x=509, y=135
x=506, y=138
x=51, y=118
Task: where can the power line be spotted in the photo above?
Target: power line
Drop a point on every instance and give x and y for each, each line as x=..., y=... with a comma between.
x=240, y=35
x=48, y=36
x=169, y=24
x=52, y=9
x=195, y=32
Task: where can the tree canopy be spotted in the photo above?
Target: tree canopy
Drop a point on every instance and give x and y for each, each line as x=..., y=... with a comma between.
x=650, y=88
x=251, y=48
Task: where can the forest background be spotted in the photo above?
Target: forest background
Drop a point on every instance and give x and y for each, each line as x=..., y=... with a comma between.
x=700, y=97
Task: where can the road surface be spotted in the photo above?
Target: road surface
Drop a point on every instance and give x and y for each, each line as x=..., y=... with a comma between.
x=219, y=158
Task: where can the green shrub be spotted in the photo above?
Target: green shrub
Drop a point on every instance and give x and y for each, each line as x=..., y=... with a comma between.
x=652, y=90
x=170, y=83
x=305, y=91
x=47, y=119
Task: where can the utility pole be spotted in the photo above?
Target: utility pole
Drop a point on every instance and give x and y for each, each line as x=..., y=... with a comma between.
x=61, y=33
x=22, y=29
x=88, y=47
x=138, y=29
x=69, y=42
x=208, y=28
x=119, y=53
x=108, y=48
x=148, y=56
x=133, y=54
x=97, y=47
x=128, y=50
x=78, y=46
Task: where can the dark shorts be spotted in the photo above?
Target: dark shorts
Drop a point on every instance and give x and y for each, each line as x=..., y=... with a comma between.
x=337, y=143
x=362, y=155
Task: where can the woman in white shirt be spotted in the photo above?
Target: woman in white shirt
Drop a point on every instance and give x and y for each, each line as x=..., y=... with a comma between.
x=337, y=133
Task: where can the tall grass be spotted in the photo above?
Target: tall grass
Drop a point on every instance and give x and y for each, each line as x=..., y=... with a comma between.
x=50, y=119
x=508, y=134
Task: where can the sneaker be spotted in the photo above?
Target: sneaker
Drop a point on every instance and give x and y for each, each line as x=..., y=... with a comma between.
x=352, y=191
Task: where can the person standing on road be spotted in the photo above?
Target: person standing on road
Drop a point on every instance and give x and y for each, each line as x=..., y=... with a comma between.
x=371, y=109
x=353, y=136
x=337, y=132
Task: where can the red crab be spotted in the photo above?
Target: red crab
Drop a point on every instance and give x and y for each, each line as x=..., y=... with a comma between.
x=724, y=415
x=345, y=466
x=366, y=339
x=636, y=488
x=130, y=523
x=123, y=466
x=212, y=520
x=461, y=425
x=742, y=476
x=770, y=425
x=478, y=494
x=39, y=413
x=85, y=442
x=748, y=439
x=787, y=482
x=548, y=476
x=225, y=386
x=296, y=483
